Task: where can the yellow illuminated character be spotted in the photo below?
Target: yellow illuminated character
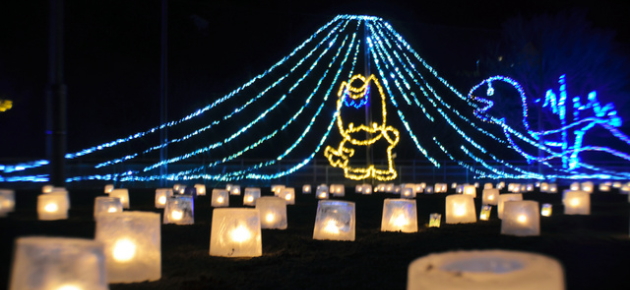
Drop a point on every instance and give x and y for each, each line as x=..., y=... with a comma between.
x=355, y=93
x=5, y=105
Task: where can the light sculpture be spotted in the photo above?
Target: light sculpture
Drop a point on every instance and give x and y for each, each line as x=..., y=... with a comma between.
x=236, y=232
x=399, y=215
x=335, y=220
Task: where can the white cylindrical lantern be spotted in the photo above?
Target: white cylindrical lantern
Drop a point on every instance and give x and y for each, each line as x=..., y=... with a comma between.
x=235, y=233
x=179, y=210
x=235, y=190
x=201, y=189
x=470, y=190
x=306, y=189
x=485, y=270
x=335, y=220
x=546, y=209
x=288, y=194
x=52, y=207
x=108, y=188
x=273, y=212
x=399, y=214
x=161, y=195
x=460, y=208
x=435, y=220
x=220, y=198
x=132, y=242
x=577, y=202
x=521, y=218
x=407, y=192
x=7, y=201
x=107, y=205
x=123, y=194
x=51, y=263
x=506, y=197
x=490, y=196
x=251, y=195
x=337, y=190
x=322, y=192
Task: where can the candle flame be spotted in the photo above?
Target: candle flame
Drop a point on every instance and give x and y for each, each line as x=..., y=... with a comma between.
x=220, y=199
x=331, y=227
x=177, y=215
x=574, y=202
x=400, y=221
x=51, y=207
x=162, y=200
x=270, y=217
x=111, y=209
x=124, y=250
x=240, y=234
x=522, y=218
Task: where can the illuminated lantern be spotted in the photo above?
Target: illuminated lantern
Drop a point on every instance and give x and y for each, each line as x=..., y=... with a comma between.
x=577, y=202
x=335, y=220
x=367, y=188
x=488, y=186
x=521, y=218
x=61, y=191
x=454, y=185
x=459, y=189
x=440, y=188
x=470, y=190
x=107, y=205
x=553, y=188
x=200, y=188
x=546, y=209
x=506, y=197
x=251, y=195
x=397, y=189
x=235, y=190
x=180, y=210
x=220, y=198
x=529, y=187
x=476, y=184
x=306, y=188
x=288, y=194
x=337, y=190
x=624, y=189
x=544, y=187
x=177, y=188
x=132, y=246
x=52, y=263
x=358, y=188
x=460, y=208
x=485, y=212
x=399, y=215
x=407, y=192
x=514, y=187
x=419, y=187
x=587, y=186
x=390, y=187
x=276, y=188
x=428, y=189
x=434, y=220
x=235, y=233
x=123, y=194
x=228, y=187
x=7, y=201
x=485, y=270
x=108, y=188
x=47, y=188
x=490, y=196
x=52, y=207
x=604, y=187
x=381, y=187
x=322, y=192
x=574, y=186
x=161, y=195
x=616, y=184
x=500, y=185
x=273, y=212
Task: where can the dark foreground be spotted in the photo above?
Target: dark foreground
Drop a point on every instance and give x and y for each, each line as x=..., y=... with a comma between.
x=594, y=250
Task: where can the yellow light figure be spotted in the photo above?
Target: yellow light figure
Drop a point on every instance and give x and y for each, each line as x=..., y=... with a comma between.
x=5, y=105
x=362, y=135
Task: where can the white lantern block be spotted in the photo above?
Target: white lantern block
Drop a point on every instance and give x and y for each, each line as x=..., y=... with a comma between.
x=484, y=215
x=577, y=202
x=500, y=185
x=381, y=187
x=108, y=188
x=235, y=190
x=428, y=189
x=546, y=209
x=228, y=187
x=439, y=188
x=47, y=188
x=397, y=189
x=51, y=263
x=132, y=242
x=337, y=190
x=335, y=220
x=322, y=192
x=624, y=189
x=460, y=208
x=488, y=186
x=235, y=233
x=7, y=201
x=399, y=215
x=544, y=187
x=574, y=186
x=459, y=189
x=419, y=187
x=454, y=185
x=200, y=188
x=107, y=205
x=506, y=197
x=434, y=220
x=390, y=187
x=61, y=191
x=161, y=195
x=288, y=194
x=604, y=187
x=616, y=184
x=251, y=195
x=358, y=188
x=485, y=270
x=521, y=218
x=220, y=198
x=180, y=210
x=407, y=192
x=367, y=189
x=553, y=188
x=470, y=190
x=514, y=187
x=177, y=188
x=490, y=196
x=587, y=186
x=273, y=212
x=123, y=194
x=277, y=188
x=52, y=207
x=306, y=189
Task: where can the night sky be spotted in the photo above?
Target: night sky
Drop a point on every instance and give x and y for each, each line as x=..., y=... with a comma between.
x=112, y=53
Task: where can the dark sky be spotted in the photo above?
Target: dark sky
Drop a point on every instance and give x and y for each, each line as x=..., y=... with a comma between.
x=112, y=53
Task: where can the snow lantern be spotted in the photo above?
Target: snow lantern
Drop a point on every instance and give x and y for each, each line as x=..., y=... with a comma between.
x=108, y=188
x=546, y=209
x=52, y=207
x=439, y=188
x=288, y=194
x=322, y=192
x=366, y=189
x=407, y=192
x=574, y=186
x=577, y=202
x=123, y=194
x=470, y=189
x=273, y=212
x=337, y=190
x=506, y=197
x=251, y=195
x=399, y=214
x=179, y=210
x=132, y=245
x=306, y=189
x=235, y=233
x=200, y=188
x=520, y=218
x=604, y=187
x=460, y=208
x=161, y=195
x=490, y=196
x=7, y=201
x=587, y=186
x=106, y=205
x=488, y=185
x=428, y=189
x=235, y=190
x=220, y=198
x=277, y=188
x=335, y=220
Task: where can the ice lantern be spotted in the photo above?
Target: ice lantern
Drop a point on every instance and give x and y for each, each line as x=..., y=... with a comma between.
x=288, y=194
x=52, y=207
x=235, y=233
x=7, y=201
x=577, y=202
x=399, y=215
x=322, y=192
x=366, y=189
x=43, y=263
x=520, y=218
x=460, y=208
x=273, y=212
x=220, y=198
x=251, y=195
x=106, y=204
x=506, y=197
x=490, y=196
x=337, y=190
x=201, y=189
x=132, y=246
x=306, y=189
x=407, y=192
x=123, y=194
x=108, y=188
x=161, y=195
x=335, y=220
x=180, y=210
x=470, y=190
x=485, y=270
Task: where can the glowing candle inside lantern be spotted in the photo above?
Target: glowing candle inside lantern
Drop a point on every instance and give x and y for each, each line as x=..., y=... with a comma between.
x=51, y=207
x=546, y=210
x=522, y=218
x=124, y=250
x=249, y=198
x=460, y=209
x=162, y=200
x=177, y=215
x=236, y=232
x=574, y=202
x=240, y=234
x=220, y=199
x=270, y=217
x=69, y=287
x=491, y=197
x=288, y=196
x=434, y=220
x=485, y=212
x=331, y=227
x=112, y=209
x=400, y=220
